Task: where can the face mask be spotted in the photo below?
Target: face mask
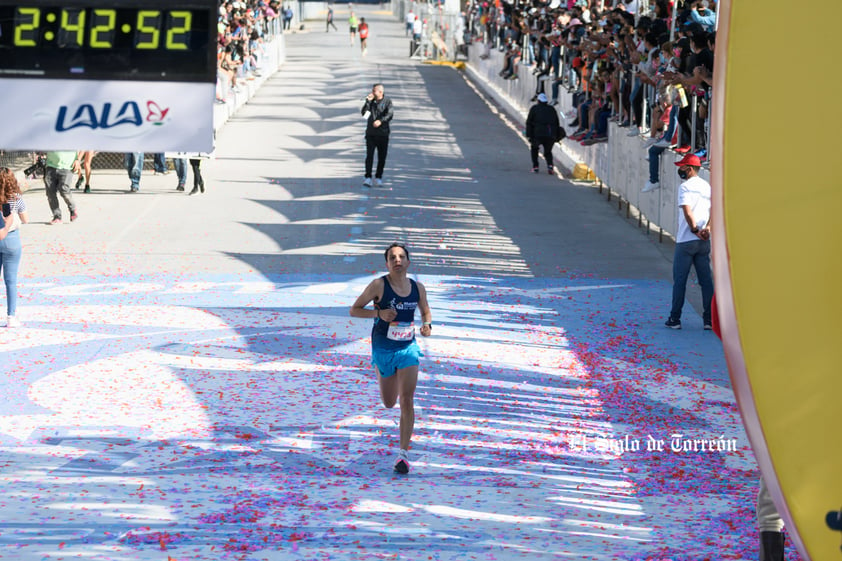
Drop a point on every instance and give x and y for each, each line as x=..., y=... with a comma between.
x=682, y=174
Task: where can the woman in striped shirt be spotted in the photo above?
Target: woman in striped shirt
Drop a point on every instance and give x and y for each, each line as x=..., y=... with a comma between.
x=12, y=216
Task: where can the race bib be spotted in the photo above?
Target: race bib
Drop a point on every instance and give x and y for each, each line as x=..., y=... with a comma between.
x=399, y=331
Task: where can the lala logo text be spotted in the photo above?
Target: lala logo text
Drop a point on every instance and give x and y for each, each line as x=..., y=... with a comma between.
x=107, y=117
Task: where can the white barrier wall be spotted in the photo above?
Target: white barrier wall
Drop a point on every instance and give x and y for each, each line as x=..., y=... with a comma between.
x=619, y=163
x=314, y=14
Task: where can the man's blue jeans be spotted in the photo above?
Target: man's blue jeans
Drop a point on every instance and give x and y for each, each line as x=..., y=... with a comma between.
x=555, y=58
x=180, y=165
x=655, y=162
x=160, y=162
x=696, y=254
x=133, y=162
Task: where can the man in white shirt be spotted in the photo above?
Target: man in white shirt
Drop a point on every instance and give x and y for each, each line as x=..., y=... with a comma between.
x=410, y=20
x=692, y=247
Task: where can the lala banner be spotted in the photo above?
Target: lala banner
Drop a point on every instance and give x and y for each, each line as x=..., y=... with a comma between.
x=113, y=116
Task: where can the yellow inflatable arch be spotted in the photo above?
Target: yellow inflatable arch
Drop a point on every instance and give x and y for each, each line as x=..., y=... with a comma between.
x=777, y=211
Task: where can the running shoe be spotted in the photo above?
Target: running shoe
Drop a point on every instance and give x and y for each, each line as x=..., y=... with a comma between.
x=402, y=463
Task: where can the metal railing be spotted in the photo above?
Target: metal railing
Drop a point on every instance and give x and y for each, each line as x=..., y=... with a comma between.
x=443, y=33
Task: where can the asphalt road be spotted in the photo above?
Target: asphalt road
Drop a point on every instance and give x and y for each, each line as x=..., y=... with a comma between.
x=188, y=384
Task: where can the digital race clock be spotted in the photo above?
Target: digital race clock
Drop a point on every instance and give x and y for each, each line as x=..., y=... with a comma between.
x=119, y=75
x=163, y=40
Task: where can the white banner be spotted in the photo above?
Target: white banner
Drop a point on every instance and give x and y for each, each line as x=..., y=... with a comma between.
x=109, y=116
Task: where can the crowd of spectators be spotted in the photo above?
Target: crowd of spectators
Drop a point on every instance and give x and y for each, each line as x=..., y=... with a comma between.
x=242, y=28
x=649, y=70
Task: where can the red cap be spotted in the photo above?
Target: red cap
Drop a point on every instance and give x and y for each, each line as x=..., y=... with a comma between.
x=689, y=160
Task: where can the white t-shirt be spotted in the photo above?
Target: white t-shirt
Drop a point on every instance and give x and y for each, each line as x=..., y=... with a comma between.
x=410, y=17
x=695, y=193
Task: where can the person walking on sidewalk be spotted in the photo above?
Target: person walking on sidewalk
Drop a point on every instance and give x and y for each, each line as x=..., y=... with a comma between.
x=180, y=163
x=85, y=158
x=13, y=215
x=410, y=19
x=692, y=247
x=57, y=181
x=198, y=180
x=395, y=354
x=330, y=20
x=133, y=162
x=159, y=164
x=378, y=107
x=542, y=129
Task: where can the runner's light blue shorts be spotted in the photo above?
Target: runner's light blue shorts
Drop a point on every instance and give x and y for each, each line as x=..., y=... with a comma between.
x=389, y=361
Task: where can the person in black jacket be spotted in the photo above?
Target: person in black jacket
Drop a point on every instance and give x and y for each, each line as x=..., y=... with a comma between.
x=542, y=129
x=379, y=110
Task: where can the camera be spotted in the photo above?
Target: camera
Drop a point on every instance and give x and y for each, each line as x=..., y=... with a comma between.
x=38, y=168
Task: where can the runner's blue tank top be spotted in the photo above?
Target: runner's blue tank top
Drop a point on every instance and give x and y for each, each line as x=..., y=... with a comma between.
x=404, y=305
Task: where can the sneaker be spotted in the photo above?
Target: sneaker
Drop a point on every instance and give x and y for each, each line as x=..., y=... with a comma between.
x=165, y=172
x=633, y=131
x=367, y=182
x=12, y=321
x=673, y=323
x=535, y=169
x=402, y=463
x=73, y=216
x=551, y=170
x=180, y=187
x=651, y=142
x=134, y=189
x=596, y=139
x=87, y=188
x=708, y=325
x=378, y=182
x=663, y=143
x=650, y=187
x=79, y=181
x=682, y=149
x=55, y=221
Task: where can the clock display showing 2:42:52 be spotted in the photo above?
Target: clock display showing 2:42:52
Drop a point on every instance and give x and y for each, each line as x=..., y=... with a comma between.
x=101, y=38
x=98, y=28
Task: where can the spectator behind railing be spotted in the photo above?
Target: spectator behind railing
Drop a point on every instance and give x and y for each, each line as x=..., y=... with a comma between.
x=242, y=28
x=632, y=68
